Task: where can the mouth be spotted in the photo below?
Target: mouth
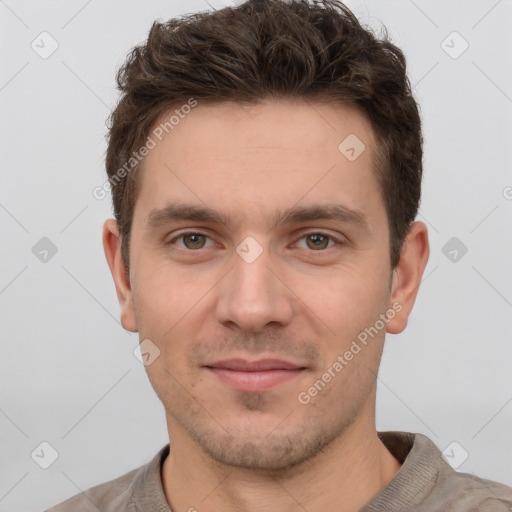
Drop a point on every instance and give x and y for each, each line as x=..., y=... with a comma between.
x=254, y=376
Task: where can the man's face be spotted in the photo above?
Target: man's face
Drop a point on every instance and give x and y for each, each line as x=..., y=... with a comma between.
x=250, y=313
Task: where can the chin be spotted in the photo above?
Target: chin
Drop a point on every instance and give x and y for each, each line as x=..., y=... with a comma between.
x=265, y=449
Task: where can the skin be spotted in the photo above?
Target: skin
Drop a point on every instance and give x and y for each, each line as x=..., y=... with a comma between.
x=303, y=299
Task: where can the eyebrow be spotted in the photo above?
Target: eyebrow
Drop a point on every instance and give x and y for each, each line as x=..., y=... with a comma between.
x=182, y=211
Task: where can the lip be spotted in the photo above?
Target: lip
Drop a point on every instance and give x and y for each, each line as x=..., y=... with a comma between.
x=254, y=376
x=242, y=365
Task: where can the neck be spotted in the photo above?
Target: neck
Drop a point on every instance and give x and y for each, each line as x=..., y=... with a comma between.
x=353, y=469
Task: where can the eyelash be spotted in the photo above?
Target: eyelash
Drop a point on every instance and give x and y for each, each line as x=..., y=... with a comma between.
x=304, y=235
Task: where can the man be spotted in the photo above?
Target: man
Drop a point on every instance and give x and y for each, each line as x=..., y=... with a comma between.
x=265, y=163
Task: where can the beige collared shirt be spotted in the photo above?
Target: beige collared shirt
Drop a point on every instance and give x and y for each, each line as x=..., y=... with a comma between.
x=424, y=483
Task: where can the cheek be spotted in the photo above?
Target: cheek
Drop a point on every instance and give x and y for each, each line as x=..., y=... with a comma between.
x=344, y=299
x=165, y=294
x=165, y=303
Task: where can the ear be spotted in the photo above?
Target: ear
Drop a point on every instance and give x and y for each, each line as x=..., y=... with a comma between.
x=112, y=248
x=407, y=276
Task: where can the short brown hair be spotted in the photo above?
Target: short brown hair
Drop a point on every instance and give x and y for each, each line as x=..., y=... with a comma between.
x=265, y=49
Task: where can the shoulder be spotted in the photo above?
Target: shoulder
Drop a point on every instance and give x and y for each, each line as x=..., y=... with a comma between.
x=426, y=482
x=108, y=497
x=121, y=493
x=468, y=492
x=465, y=492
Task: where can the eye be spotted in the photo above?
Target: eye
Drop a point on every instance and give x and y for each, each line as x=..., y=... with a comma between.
x=318, y=241
x=191, y=240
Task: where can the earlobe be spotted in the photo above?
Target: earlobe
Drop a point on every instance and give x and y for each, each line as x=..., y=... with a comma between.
x=112, y=248
x=407, y=276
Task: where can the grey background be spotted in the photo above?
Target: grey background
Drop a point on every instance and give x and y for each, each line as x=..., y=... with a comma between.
x=69, y=375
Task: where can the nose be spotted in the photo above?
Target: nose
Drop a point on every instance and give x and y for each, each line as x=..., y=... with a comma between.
x=254, y=295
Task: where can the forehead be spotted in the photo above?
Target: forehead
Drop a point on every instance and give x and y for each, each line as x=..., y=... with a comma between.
x=299, y=125
x=237, y=158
